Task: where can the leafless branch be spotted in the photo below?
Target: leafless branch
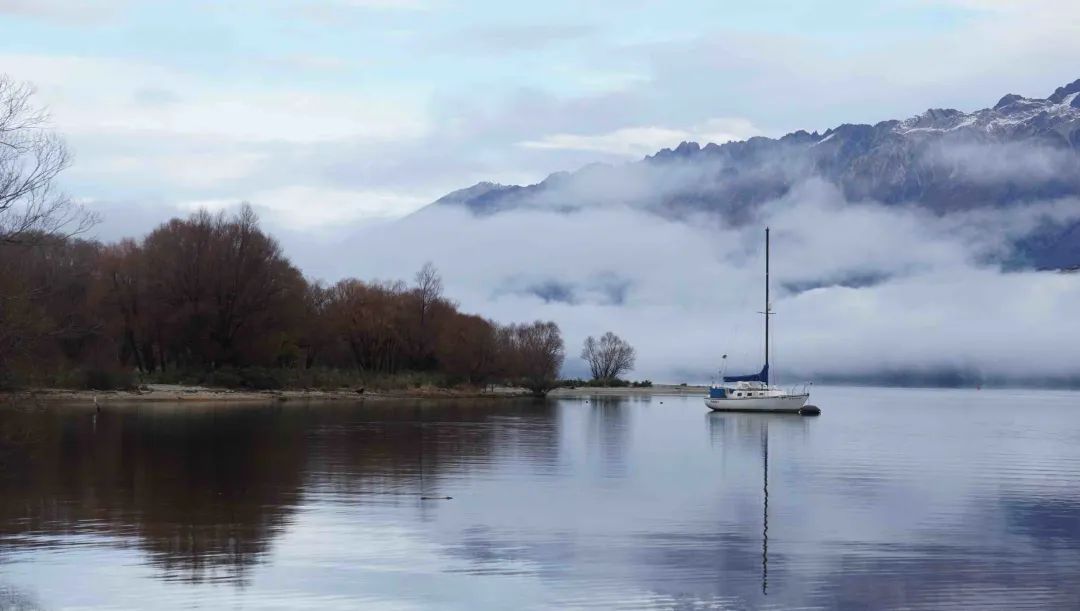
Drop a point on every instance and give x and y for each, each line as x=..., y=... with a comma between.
x=31, y=158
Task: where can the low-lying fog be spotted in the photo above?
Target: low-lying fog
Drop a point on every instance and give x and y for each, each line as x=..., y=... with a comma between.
x=859, y=289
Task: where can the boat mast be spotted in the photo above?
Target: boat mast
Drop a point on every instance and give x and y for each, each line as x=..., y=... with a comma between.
x=767, y=311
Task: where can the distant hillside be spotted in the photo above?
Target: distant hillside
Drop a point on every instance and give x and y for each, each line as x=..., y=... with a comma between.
x=1019, y=151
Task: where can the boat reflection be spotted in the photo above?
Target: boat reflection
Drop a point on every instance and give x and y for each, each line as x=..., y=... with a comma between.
x=748, y=431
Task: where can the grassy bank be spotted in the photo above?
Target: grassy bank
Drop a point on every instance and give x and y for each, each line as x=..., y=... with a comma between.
x=284, y=384
x=613, y=383
x=628, y=391
x=172, y=393
x=229, y=378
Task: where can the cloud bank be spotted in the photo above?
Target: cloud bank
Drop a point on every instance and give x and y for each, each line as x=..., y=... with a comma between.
x=860, y=289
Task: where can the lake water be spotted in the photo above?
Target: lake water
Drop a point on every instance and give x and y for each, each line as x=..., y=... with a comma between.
x=891, y=498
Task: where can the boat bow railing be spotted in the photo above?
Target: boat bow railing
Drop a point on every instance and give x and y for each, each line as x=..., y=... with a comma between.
x=802, y=389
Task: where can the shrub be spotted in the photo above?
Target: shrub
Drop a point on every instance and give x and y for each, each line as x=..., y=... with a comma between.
x=8, y=380
x=614, y=383
x=258, y=378
x=225, y=378
x=108, y=379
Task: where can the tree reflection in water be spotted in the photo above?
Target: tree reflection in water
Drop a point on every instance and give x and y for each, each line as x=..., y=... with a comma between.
x=14, y=599
x=588, y=504
x=205, y=489
x=200, y=489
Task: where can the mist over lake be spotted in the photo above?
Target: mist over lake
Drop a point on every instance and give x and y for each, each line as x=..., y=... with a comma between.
x=861, y=290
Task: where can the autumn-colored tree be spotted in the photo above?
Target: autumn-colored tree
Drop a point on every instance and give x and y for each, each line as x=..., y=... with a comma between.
x=467, y=348
x=178, y=263
x=221, y=291
x=256, y=293
x=49, y=301
x=124, y=279
x=23, y=323
x=367, y=320
x=536, y=353
x=316, y=335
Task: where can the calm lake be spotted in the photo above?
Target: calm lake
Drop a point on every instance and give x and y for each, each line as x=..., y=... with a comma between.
x=891, y=498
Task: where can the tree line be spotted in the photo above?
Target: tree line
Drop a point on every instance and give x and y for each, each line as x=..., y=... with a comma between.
x=215, y=293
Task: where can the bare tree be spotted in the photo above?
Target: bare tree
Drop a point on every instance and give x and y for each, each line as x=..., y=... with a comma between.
x=536, y=354
x=31, y=157
x=429, y=287
x=609, y=357
x=428, y=291
x=429, y=283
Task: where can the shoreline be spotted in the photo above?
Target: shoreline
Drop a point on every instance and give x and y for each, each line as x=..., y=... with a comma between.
x=628, y=391
x=176, y=393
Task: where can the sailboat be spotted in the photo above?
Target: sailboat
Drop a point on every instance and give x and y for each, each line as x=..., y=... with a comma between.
x=753, y=393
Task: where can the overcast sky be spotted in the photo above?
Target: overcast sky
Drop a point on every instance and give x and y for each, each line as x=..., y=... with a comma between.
x=330, y=113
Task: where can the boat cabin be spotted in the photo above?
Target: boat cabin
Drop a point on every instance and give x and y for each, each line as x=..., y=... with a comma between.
x=738, y=390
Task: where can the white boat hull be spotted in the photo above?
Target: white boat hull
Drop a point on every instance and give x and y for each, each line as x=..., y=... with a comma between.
x=776, y=403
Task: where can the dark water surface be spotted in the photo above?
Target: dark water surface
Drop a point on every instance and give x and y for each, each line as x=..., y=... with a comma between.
x=892, y=498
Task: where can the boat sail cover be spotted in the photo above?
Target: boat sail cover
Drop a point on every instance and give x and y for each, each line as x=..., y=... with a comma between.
x=762, y=377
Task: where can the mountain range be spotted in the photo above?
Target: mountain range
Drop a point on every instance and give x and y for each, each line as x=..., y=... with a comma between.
x=1018, y=152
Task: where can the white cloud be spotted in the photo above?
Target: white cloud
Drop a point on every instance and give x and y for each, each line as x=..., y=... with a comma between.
x=1010, y=6
x=290, y=116
x=599, y=82
x=102, y=96
x=64, y=11
x=146, y=132
x=193, y=169
x=686, y=292
x=514, y=37
x=303, y=208
x=387, y=4
x=332, y=12
x=639, y=141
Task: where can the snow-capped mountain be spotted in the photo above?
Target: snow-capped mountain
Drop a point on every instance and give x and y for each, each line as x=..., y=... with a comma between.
x=1019, y=151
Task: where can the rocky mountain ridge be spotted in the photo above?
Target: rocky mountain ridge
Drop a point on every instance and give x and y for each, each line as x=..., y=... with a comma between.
x=1019, y=151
